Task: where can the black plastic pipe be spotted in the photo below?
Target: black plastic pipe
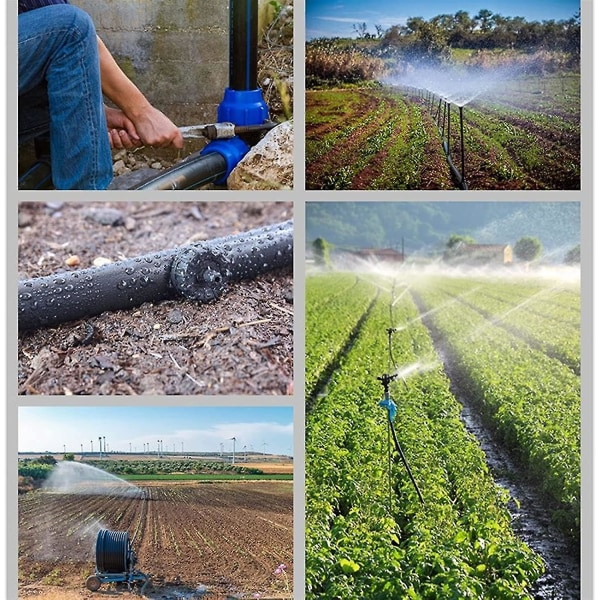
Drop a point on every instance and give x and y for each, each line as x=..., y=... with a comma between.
x=200, y=271
x=462, y=145
x=189, y=174
x=243, y=45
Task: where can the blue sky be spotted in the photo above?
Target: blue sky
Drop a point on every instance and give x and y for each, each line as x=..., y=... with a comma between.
x=329, y=19
x=199, y=428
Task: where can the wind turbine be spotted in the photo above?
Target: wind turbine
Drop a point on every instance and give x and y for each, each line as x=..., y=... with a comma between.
x=233, y=456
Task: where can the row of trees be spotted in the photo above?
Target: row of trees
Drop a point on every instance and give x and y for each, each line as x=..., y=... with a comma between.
x=483, y=31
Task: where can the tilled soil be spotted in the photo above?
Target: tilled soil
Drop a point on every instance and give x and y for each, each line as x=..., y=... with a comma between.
x=208, y=540
x=240, y=344
x=490, y=161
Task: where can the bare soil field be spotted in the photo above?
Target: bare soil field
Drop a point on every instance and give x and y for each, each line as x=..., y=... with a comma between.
x=242, y=343
x=209, y=540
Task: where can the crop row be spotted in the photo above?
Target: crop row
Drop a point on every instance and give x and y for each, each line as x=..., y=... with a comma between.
x=321, y=289
x=532, y=399
x=557, y=336
x=387, y=149
x=367, y=534
x=324, y=343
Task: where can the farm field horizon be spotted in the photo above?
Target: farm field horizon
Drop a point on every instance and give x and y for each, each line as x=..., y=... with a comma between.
x=482, y=368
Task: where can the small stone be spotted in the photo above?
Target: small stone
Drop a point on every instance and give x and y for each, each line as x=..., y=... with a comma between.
x=156, y=165
x=73, y=261
x=175, y=316
x=118, y=166
x=105, y=216
x=101, y=261
x=156, y=326
x=130, y=223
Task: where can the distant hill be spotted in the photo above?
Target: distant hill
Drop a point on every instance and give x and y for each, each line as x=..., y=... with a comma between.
x=426, y=226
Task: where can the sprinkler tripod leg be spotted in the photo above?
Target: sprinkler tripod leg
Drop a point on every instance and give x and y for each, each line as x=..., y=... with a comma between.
x=144, y=585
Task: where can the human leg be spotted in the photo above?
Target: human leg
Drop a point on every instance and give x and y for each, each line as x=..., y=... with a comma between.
x=58, y=47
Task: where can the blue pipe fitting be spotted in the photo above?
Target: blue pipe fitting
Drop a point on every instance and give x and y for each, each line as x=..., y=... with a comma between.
x=243, y=107
x=240, y=108
x=232, y=150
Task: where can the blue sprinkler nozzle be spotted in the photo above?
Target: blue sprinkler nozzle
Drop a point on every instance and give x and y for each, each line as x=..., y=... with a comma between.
x=390, y=406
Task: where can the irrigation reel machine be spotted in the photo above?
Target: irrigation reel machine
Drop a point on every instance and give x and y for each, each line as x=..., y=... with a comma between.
x=115, y=562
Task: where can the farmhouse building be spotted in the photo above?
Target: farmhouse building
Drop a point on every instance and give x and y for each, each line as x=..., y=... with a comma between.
x=380, y=254
x=480, y=254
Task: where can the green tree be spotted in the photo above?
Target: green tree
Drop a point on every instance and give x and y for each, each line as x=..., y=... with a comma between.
x=528, y=248
x=456, y=239
x=573, y=256
x=321, y=250
x=69, y=456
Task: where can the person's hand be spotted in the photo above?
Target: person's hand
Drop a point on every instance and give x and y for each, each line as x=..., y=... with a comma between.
x=121, y=130
x=155, y=129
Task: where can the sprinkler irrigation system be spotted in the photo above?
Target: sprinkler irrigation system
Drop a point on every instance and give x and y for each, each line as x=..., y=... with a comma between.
x=388, y=404
x=439, y=107
x=115, y=562
x=440, y=89
x=200, y=271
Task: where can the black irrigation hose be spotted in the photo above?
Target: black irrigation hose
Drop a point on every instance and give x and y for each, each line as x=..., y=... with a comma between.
x=189, y=174
x=200, y=271
x=113, y=551
x=243, y=45
x=401, y=453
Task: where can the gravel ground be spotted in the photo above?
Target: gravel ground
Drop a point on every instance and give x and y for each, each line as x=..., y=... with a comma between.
x=240, y=344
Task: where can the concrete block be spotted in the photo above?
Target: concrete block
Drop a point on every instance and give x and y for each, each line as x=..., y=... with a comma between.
x=175, y=51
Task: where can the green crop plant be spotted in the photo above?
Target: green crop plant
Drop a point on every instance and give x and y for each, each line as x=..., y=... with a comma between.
x=367, y=535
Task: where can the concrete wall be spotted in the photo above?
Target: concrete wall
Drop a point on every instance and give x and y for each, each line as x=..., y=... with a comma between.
x=175, y=51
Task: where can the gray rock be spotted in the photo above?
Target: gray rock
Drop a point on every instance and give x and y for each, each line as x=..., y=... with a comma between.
x=269, y=165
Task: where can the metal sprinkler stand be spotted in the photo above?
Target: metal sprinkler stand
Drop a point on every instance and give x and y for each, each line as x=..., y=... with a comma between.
x=115, y=562
x=390, y=406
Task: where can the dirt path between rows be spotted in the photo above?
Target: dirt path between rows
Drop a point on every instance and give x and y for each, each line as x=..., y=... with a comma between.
x=532, y=520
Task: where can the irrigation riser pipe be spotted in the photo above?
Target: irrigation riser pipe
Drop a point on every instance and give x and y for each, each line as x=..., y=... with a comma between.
x=458, y=176
x=201, y=271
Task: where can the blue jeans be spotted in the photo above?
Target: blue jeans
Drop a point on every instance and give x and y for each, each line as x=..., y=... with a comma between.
x=60, y=91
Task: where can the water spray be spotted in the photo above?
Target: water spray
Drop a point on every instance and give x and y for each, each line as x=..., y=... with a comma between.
x=440, y=89
x=201, y=271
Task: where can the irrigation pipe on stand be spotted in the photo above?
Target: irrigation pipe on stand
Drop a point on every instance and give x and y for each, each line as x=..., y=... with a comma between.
x=201, y=271
x=391, y=408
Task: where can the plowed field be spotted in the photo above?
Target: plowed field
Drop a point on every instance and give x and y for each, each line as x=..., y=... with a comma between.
x=225, y=537
x=389, y=139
